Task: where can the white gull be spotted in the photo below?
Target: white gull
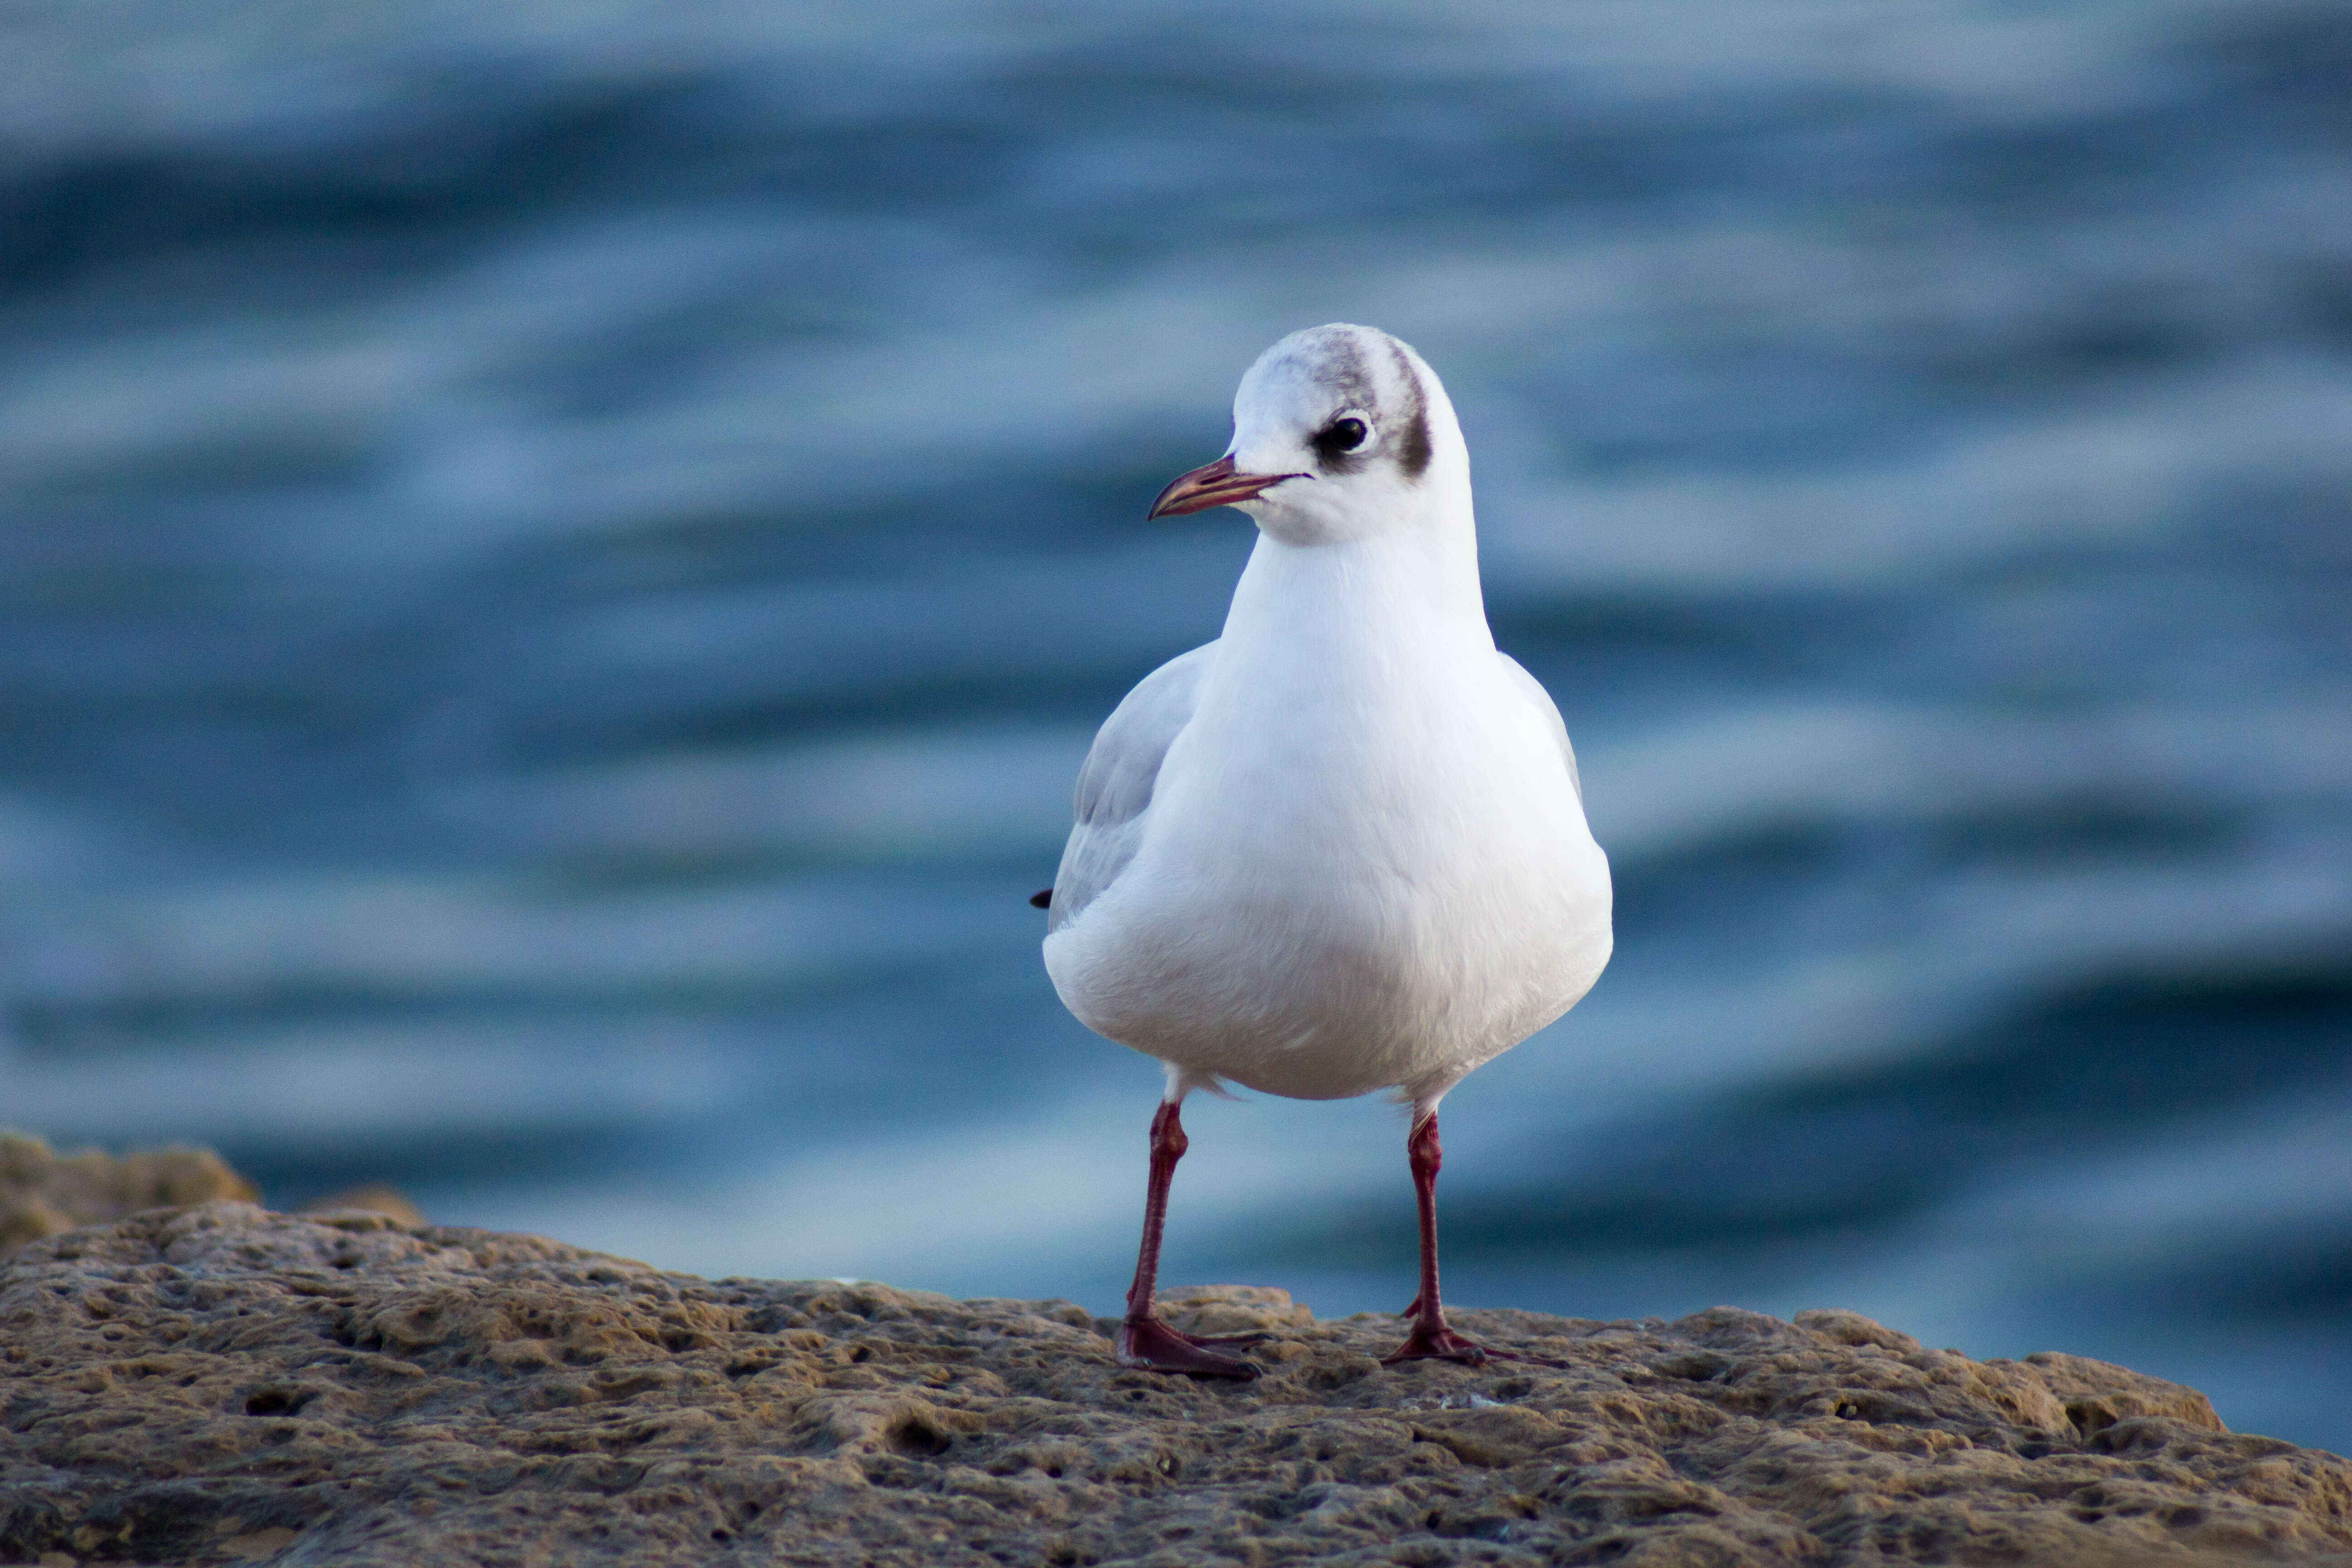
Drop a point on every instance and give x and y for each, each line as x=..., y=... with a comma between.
x=1342, y=847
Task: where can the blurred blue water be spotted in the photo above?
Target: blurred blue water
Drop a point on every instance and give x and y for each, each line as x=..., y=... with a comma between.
x=558, y=563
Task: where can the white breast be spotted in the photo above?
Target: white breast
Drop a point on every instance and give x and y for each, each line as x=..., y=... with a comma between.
x=1364, y=864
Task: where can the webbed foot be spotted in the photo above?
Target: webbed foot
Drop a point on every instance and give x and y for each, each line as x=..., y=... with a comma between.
x=1152, y=1346
x=1442, y=1343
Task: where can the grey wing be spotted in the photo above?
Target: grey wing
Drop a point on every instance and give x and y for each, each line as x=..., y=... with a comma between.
x=1114, y=785
x=1532, y=690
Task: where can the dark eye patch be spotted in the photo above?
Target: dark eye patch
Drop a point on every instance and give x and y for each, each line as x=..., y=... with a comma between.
x=1338, y=438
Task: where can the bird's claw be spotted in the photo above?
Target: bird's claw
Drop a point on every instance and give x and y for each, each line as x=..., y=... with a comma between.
x=1441, y=1343
x=1215, y=1341
x=1152, y=1346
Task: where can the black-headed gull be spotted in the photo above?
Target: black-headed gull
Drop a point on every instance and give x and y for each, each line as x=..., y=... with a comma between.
x=1342, y=847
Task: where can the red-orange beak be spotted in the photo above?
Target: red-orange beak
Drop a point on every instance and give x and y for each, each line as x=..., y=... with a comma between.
x=1214, y=484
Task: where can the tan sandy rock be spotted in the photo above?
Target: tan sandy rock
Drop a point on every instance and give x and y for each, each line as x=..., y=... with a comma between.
x=371, y=1198
x=218, y=1384
x=43, y=1193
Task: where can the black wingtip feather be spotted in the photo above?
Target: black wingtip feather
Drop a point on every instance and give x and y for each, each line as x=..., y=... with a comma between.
x=1044, y=900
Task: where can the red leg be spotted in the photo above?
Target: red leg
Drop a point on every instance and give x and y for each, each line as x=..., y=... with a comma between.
x=1143, y=1339
x=1430, y=1338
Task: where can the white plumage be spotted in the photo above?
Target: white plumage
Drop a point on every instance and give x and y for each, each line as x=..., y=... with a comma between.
x=1342, y=847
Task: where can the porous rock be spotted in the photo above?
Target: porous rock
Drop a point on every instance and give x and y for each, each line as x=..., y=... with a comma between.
x=44, y=1193
x=375, y=1197
x=222, y=1385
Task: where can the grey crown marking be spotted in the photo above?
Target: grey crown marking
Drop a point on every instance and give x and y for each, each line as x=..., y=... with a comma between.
x=1412, y=448
x=1341, y=368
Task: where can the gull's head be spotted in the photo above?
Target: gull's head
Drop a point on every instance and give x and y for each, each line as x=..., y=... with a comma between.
x=1339, y=433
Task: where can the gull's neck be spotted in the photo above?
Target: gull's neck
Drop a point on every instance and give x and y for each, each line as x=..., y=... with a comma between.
x=1414, y=587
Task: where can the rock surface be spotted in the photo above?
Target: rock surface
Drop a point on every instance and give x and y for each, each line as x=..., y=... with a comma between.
x=222, y=1385
x=43, y=1193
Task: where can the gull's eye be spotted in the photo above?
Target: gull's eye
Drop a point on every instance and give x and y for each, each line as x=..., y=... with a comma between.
x=1344, y=435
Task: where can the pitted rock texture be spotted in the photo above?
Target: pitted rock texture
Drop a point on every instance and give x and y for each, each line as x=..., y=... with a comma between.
x=43, y=1193
x=222, y=1385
